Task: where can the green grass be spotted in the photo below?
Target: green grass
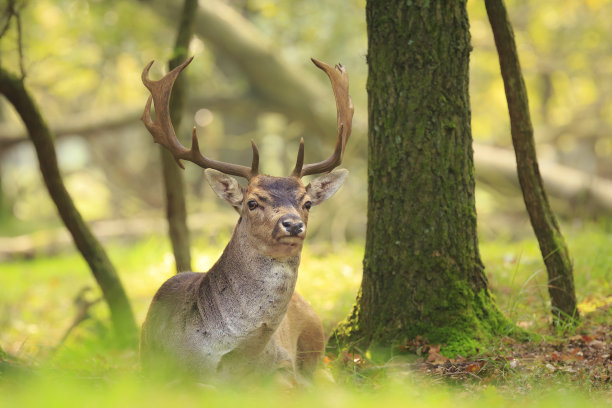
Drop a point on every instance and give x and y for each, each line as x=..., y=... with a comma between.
x=129, y=391
x=517, y=275
x=36, y=308
x=36, y=305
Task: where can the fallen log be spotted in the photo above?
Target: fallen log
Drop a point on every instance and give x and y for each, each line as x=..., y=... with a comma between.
x=562, y=182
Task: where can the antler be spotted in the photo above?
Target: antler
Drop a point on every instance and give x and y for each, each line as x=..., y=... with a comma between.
x=163, y=132
x=339, y=80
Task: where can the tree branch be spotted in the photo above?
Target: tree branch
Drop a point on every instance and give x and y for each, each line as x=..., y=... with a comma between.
x=561, y=181
x=8, y=14
x=92, y=123
x=174, y=184
x=552, y=244
x=293, y=91
x=104, y=272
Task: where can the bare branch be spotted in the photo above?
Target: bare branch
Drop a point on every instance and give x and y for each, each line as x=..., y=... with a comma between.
x=20, y=44
x=8, y=15
x=94, y=123
x=13, y=11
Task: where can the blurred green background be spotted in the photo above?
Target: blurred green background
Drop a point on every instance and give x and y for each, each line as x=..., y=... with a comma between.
x=83, y=60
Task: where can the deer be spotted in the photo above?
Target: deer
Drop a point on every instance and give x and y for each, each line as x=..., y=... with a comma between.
x=243, y=317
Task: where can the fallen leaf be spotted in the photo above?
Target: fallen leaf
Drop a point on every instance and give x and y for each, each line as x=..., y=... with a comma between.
x=434, y=356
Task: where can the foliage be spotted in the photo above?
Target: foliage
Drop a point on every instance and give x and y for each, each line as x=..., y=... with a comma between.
x=85, y=56
x=556, y=43
x=127, y=390
x=38, y=309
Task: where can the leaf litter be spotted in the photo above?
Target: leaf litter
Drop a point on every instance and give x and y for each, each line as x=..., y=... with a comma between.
x=583, y=359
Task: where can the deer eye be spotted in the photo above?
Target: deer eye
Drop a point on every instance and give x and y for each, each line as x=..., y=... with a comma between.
x=307, y=205
x=252, y=204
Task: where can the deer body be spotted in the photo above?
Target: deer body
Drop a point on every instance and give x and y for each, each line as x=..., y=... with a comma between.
x=242, y=316
x=233, y=311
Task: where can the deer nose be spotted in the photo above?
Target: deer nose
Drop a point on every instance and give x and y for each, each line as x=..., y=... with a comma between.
x=293, y=226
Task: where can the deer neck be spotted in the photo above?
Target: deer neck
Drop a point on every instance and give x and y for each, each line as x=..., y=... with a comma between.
x=250, y=291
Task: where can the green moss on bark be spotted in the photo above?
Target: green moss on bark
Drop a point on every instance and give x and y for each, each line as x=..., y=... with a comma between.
x=422, y=271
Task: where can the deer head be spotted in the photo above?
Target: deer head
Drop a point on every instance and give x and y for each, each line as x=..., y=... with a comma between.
x=273, y=210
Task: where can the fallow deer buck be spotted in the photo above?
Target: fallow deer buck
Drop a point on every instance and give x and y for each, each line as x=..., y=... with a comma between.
x=243, y=316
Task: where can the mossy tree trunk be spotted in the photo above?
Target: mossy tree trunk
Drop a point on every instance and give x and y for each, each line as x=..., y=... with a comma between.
x=104, y=272
x=422, y=269
x=552, y=244
x=174, y=184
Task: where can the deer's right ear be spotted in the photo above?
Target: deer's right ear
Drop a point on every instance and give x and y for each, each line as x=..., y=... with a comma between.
x=226, y=187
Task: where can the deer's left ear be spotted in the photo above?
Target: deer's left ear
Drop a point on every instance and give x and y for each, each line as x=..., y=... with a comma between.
x=225, y=186
x=323, y=187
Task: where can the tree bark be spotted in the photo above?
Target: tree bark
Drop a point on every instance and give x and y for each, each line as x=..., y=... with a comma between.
x=174, y=185
x=5, y=211
x=422, y=269
x=552, y=245
x=121, y=312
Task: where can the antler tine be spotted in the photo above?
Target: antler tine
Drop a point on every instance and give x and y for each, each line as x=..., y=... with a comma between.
x=255, y=161
x=163, y=132
x=297, y=171
x=344, y=106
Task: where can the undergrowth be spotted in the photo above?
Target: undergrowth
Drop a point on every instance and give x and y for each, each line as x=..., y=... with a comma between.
x=37, y=307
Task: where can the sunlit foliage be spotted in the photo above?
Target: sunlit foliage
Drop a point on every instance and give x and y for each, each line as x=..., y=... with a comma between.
x=83, y=58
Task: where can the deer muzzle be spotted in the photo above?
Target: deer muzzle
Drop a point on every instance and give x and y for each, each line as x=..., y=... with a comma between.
x=291, y=226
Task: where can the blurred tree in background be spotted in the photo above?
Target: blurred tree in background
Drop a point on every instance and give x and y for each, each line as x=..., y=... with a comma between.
x=98, y=128
x=555, y=252
x=174, y=184
x=12, y=87
x=83, y=60
x=251, y=78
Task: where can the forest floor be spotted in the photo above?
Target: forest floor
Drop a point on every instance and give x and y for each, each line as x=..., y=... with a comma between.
x=581, y=361
x=558, y=372
x=565, y=367
x=584, y=359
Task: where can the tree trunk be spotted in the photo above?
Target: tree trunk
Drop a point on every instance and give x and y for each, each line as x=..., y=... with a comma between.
x=101, y=267
x=5, y=211
x=176, y=211
x=291, y=90
x=552, y=245
x=422, y=269
x=174, y=185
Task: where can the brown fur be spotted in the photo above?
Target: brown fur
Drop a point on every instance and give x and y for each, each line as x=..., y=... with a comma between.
x=243, y=317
